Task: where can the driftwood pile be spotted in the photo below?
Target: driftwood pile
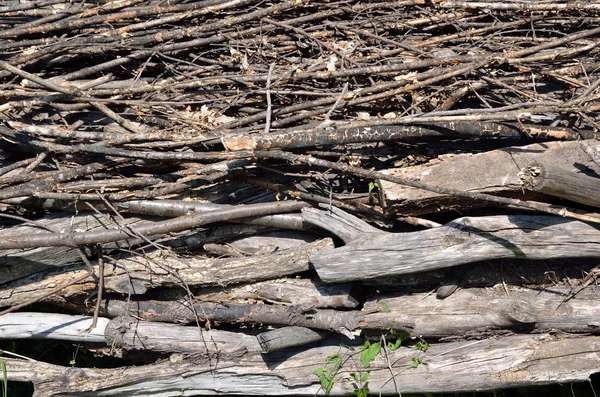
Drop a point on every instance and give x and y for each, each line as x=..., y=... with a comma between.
x=251, y=197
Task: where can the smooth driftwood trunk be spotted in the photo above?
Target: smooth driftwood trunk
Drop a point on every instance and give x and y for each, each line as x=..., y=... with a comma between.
x=555, y=181
x=513, y=361
x=464, y=240
x=496, y=171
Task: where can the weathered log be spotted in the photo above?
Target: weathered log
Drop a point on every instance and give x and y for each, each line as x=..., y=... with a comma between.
x=126, y=333
x=344, y=225
x=285, y=337
x=135, y=275
x=182, y=312
x=555, y=181
x=513, y=361
x=479, y=310
x=18, y=263
x=130, y=334
x=294, y=291
x=51, y=326
x=464, y=240
x=489, y=172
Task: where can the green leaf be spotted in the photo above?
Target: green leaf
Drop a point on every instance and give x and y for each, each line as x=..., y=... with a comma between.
x=365, y=376
x=385, y=307
x=372, y=186
x=369, y=352
x=394, y=345
x=415, y=362
x=326, y=378
x=337, y=360
x=422, y=346
x=354, y=376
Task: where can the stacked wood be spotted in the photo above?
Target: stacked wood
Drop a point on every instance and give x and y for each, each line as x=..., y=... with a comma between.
x=246, y=197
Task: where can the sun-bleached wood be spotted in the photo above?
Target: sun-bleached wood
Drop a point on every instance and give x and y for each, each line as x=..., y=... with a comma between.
x=464, y=240
x=512, y=361
x=496, y=171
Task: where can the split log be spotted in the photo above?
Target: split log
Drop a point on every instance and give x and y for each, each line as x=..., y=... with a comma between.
x=135, y=275
x=513, y=361
x=464, y=240
x=496, y=171
x=555, y=181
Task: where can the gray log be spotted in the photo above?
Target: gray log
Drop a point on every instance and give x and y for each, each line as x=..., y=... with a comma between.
x=292, y=291
x=285, y=337
x=464, y=240
x=130, y=334
x=555, y=181
x=481, y=310
x=513, y=361
x=51, y=326
x=495, y=172
x=17, y=263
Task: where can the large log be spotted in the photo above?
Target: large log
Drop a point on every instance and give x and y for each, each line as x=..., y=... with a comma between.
x=555, y=181
x=465, y=240
x=513, y=361
x=496, y=171
x=480, y=310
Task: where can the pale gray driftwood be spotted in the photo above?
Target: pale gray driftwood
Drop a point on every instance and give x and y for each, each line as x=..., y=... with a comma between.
x=64, y=327
x=513, y=361
x=131, y=334
x=127, y=333
x=464, y=240
x=478, y=310
x=490, y=172
x=340, y=223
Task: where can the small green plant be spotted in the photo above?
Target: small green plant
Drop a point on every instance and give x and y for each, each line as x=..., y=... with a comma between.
x=361, y=390
x=74, y=359
x=368, y=352
x=396, y=339
x=374, y=186
x=415, y=362
x=326, y=375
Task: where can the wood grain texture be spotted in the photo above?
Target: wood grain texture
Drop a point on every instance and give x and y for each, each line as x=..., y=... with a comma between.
x=513, y=361
x=496, y=171
x=465, y=240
